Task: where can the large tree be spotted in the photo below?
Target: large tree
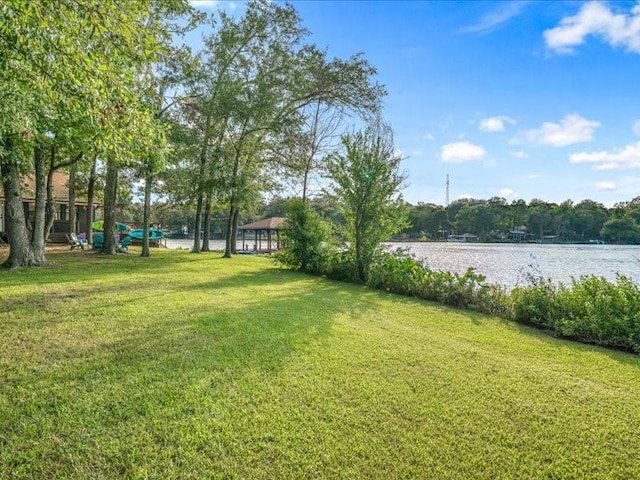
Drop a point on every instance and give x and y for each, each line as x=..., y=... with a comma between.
x=62, y=58
x=257, y=77
x=367, y=182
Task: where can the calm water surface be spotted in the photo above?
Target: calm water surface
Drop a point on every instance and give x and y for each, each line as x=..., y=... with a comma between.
x=510, y=264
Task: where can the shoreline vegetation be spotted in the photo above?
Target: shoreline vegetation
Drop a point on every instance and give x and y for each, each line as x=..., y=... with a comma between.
x=182, y=365
x=590, y=310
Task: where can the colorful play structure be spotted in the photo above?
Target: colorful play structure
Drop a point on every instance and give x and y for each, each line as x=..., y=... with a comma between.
x=126, y=237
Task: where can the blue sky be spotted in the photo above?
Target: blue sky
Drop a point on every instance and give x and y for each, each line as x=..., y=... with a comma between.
x=518, y=99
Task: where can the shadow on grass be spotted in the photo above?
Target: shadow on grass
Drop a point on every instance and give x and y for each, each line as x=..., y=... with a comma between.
x=88, y=265
x=259, y=332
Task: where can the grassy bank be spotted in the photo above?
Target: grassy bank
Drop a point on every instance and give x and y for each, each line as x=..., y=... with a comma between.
x=184, y=365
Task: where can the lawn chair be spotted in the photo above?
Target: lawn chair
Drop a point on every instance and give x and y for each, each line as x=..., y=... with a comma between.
x=74, y=241
x=123, y=244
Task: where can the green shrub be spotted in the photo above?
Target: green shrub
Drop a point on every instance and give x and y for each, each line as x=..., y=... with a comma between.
x=399, y=272
x=396, y=272
x=459, y=290
x=307, y=240
x=342, y=266
x=536, y=304
x=494, y=300
x=596, y=310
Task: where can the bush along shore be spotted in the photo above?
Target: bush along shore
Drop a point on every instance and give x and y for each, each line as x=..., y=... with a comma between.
x=591, y=310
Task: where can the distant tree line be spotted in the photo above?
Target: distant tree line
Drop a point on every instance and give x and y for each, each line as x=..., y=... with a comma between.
x=496, y=219
x=492, y=220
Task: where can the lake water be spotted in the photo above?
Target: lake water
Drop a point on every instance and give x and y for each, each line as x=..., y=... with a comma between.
x=509, y=264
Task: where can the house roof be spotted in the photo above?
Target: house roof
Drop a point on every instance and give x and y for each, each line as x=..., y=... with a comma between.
x=271, y=223
x=60, y=189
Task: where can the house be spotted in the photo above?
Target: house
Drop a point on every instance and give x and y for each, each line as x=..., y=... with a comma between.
x=61, y=203
x=465, y=237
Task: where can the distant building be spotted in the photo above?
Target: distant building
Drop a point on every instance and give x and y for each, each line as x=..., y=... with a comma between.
x=61, y=203
x=518, y=234
x=465, y=237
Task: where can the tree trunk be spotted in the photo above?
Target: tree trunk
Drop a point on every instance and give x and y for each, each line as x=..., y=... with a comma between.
x=50, y=208
x=146, y=215
x=231, y=224
x=20, y=250
x=227, y=237
x=206, y=223
x=90, y=195
x=304, y=185
x=202, y=172
x=198, y=224
x=358, y=248
x=38, y=239
x=234, y=230
x=109, y=222
x=72, y=199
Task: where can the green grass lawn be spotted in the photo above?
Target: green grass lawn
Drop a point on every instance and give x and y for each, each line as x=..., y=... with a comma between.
x=193, y=366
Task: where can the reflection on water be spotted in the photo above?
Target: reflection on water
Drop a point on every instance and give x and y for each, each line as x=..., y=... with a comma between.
x=510, y=264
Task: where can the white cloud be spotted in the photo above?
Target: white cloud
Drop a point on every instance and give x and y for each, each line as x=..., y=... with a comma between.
x=606, y=186
x=534, y=176
x=636, y=127
x=429, y=137
x=519, y=154
x=507, y=193
x=623, y=159
x=572, y=129
x=461, y=152
x=496, y=18
x=597, y=19
x=204, y=4
x=495, y=124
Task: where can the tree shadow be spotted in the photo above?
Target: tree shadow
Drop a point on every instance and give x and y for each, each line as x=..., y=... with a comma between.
x=259, y=332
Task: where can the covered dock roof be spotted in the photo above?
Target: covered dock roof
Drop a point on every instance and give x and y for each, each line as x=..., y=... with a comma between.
x=268, y=225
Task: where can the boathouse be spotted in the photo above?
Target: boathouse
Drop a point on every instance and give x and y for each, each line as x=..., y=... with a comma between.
x=265, y=233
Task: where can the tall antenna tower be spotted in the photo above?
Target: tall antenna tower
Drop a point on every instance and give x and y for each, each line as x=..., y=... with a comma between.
x=446, y=201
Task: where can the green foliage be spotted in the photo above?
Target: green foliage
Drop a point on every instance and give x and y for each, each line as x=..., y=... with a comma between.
x=599, y=311
x=592, y=310
x=454, y=289
x=536, y=304
x=495, y=219
x=398, y=272
x=621, y=229
x=367, y=183
x=307, y=239
x=343, y=267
